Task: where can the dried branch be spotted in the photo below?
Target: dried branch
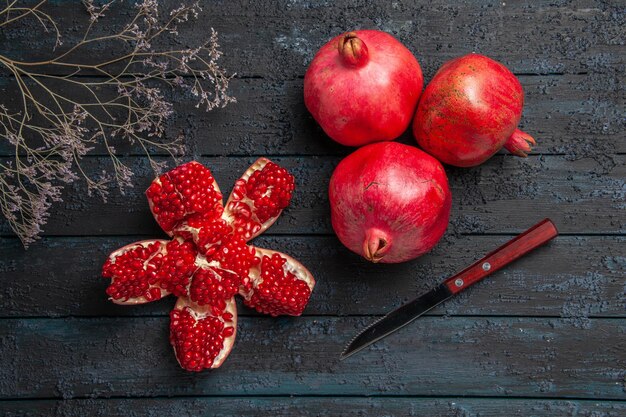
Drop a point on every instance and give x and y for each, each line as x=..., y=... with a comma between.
x=61, y=118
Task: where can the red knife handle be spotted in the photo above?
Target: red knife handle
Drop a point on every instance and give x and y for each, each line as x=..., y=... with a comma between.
x=515, y=248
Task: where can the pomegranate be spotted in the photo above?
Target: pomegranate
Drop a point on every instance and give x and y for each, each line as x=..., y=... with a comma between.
x=469, y=110
x=363, y=87
x=389, y=202
x=208, y=261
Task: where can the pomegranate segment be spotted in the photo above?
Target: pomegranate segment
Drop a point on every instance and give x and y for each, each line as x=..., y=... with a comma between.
x=187, y=189
x=179, y=264
x=279, y=285
x=202, y=337
x=237, y=256
x=133, y=272
x=258, y=198
x=149, y=270
x=213, y=286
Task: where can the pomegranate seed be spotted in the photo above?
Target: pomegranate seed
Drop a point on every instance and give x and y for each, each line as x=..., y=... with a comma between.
x=210, y=285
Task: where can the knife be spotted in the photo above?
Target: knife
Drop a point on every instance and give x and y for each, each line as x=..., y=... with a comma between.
x=515, y=248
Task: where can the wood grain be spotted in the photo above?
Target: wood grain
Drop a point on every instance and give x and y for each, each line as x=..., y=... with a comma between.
x=579, y=195
x=578, y=115
x=572, y=277
x=277, y=39
x=545, y=358
x=310, y=407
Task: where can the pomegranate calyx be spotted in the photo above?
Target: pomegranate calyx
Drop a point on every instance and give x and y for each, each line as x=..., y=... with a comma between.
x=520, y=143
x=353, y=50
x=377, y=243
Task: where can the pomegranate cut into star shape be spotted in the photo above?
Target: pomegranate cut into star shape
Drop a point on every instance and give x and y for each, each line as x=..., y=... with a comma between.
x=209, y=261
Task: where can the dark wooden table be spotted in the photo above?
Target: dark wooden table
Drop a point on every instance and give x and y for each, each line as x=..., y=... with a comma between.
x=545, y=337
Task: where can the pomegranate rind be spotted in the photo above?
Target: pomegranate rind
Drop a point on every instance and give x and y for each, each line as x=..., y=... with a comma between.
x=185, y=308
x=248, y=217
x=469, y=110
x=290, y=297
x=172, y=199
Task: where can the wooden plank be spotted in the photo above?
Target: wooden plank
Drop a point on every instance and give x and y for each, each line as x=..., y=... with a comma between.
x=574, y=115
x=574, y=277
x=504, y=195
x=564, y=37
x=545, y=358
x=305, y=407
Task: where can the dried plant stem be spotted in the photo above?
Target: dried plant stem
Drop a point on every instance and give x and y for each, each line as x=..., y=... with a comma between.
x=61, y=118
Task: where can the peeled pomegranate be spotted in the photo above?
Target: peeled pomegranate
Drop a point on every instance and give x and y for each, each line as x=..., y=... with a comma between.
x=363, y=87
x=469, y=111
x=389, y=202
x=208, y=261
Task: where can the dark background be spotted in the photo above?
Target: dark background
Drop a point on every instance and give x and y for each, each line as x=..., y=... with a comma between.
x=545, y=337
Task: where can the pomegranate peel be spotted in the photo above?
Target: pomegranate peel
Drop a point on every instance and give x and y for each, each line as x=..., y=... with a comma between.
x=389, y=202
x=209, y=261
x=469, y=111
x=362, y=87
x=202, y=336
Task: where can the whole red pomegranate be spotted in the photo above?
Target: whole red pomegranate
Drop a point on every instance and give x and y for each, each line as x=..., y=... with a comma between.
x=469, y=110
x=363, y=87
x=389, y=202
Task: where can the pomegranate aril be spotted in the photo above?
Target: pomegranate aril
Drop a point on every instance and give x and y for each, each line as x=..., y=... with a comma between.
x=211, y=286
x=235, y=255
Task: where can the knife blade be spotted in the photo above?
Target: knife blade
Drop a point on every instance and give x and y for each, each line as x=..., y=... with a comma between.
x=515, y=248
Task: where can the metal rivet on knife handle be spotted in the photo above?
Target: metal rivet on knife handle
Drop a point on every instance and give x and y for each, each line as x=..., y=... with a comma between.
x=458, y=282
x=510, y=251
